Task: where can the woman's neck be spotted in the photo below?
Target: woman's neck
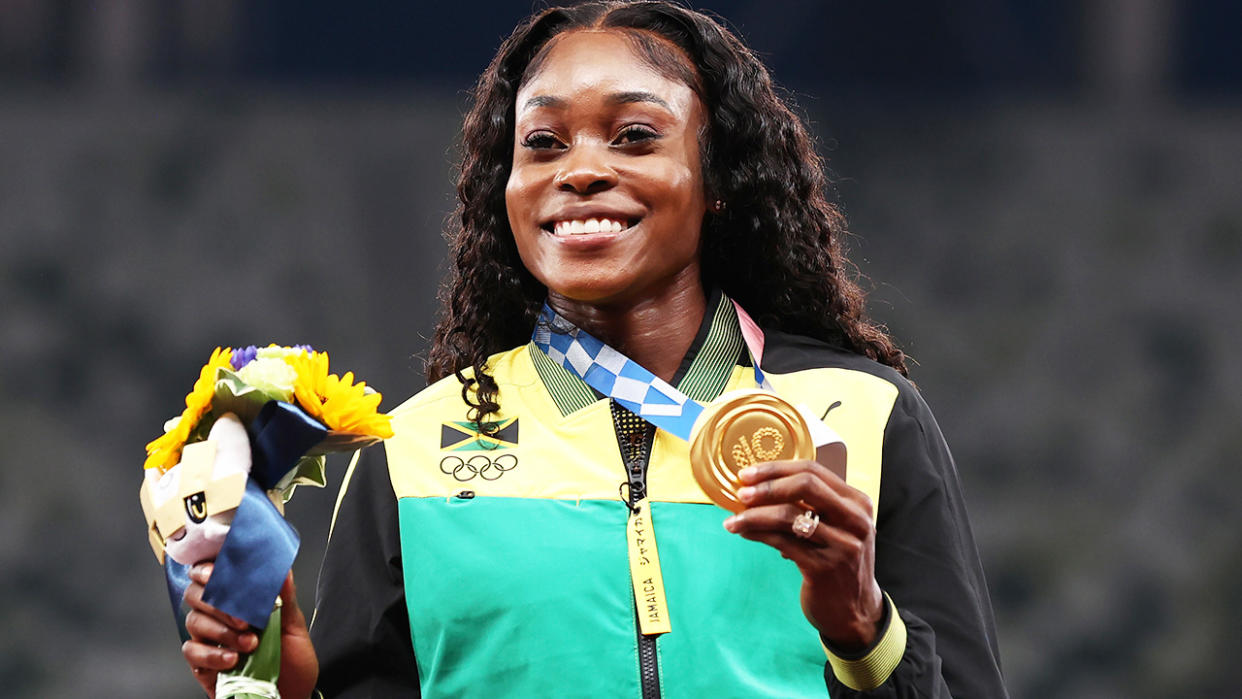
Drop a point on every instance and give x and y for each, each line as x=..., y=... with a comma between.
x=656, y=330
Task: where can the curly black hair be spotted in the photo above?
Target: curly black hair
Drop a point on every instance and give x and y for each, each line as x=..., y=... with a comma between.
x=775, y=248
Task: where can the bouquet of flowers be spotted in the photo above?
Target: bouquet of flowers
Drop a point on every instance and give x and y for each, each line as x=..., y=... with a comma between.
x=257, y=424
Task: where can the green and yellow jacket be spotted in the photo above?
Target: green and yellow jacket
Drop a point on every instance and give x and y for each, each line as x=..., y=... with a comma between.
x=497, y=565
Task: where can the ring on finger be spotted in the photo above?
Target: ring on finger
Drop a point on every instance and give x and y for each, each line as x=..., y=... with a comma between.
x=804, y=524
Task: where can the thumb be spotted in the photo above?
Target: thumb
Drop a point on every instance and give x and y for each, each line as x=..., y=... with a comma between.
x=291, y=617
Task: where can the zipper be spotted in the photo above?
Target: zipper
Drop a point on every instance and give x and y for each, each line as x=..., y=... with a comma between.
x=636, y=455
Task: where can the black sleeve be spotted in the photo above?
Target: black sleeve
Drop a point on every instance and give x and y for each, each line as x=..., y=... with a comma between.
x=361, y=630
x=927, y=562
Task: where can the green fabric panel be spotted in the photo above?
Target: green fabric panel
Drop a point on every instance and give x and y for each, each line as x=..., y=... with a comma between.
x=519, y=597
x=734, y=607
x=532, y=598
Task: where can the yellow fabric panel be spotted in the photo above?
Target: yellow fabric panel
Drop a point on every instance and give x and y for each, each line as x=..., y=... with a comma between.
x=576, y=456
x=866, y=403
x=571, y=458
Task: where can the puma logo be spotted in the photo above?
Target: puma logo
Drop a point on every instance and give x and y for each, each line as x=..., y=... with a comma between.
x=836, y=404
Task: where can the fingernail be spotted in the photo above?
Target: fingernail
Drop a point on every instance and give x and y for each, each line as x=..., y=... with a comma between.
x=200, y=573
x=228, y=656
x=731, y=523
x=748, y=471
x=746, y=493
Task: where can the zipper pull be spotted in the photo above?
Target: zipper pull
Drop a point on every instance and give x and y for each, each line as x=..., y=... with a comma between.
x=645, y=574
x=638, y=484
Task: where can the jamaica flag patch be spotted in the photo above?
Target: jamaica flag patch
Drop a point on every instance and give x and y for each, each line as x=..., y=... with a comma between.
x=462, y=436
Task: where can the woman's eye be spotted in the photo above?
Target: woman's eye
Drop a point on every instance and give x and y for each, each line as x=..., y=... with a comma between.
x=541, y=140
x=635, y=134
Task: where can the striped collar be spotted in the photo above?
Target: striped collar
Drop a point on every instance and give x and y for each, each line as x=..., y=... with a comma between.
x=703, y=374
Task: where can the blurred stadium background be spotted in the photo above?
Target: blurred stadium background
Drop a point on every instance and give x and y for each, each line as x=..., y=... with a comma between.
x=1044, y=195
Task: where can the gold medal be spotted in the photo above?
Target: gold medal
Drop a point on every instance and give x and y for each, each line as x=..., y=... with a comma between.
x=739, y=429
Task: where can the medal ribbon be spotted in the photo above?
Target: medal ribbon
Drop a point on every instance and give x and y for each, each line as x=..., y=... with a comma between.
x=614, y=374
x=638, y=390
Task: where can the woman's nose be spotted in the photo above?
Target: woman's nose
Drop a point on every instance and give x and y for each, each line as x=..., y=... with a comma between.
x=585, y=170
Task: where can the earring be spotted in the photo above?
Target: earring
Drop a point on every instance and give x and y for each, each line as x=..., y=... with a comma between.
x=718, y=206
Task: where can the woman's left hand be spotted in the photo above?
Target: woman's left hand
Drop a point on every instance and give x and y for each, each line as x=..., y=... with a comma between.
x=840, y=596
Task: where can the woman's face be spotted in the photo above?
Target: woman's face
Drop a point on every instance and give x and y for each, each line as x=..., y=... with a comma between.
x=606, y=197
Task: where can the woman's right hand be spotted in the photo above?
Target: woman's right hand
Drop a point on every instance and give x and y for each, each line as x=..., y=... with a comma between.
x=217, y=640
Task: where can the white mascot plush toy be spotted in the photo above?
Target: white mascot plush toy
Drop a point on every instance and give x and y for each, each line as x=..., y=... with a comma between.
x=190, y=507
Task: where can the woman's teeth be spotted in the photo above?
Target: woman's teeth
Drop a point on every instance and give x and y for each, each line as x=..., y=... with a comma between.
x=590, y=225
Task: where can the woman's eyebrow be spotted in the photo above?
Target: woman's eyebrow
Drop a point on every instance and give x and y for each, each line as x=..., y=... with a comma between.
x=636, y=96
x=627, y=97
x=543, y=101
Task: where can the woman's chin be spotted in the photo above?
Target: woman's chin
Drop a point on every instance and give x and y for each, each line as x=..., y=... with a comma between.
x=581, y=286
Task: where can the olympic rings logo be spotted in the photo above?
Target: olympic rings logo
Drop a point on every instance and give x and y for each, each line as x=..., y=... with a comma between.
x=480, y=465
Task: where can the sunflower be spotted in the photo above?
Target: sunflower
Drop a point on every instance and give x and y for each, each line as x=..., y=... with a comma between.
x=165, y=451
x=336, y=401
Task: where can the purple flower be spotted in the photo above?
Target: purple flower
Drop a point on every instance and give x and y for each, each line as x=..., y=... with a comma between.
x=243, y=356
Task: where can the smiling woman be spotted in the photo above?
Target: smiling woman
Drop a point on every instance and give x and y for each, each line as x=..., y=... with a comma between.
x=629, y=171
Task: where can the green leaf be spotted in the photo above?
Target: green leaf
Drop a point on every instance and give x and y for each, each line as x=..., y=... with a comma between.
x=236, y=396
x=263, y=663
x=310, y=470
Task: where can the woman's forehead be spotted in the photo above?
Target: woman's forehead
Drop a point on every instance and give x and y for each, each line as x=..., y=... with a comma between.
x=604, y=63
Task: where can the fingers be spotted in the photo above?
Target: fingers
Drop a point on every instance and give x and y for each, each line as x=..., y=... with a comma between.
x=216, y=639
x=765, y=522
x=199, y=576
x=808, y=484
x=811, y=476
x=205, y=656
x=208, y=629
x=206, y=662
x=207, y=679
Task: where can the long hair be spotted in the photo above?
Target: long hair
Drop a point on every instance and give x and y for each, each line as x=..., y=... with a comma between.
x=775, y=247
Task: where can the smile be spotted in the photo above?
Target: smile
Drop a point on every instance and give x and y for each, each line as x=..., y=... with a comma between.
x=590, y=225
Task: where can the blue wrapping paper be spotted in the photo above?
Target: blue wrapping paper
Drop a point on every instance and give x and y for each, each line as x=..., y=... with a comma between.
x=255, y=558
x=279, y=436
x=178, y=578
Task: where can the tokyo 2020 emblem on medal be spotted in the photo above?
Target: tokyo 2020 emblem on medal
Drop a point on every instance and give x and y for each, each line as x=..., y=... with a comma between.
x=741, y=428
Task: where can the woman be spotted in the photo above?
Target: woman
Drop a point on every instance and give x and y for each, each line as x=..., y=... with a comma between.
x=631, y=165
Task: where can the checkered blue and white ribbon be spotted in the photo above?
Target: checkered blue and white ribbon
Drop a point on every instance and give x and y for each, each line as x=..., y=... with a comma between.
x=641, y=392
x=615, y=375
